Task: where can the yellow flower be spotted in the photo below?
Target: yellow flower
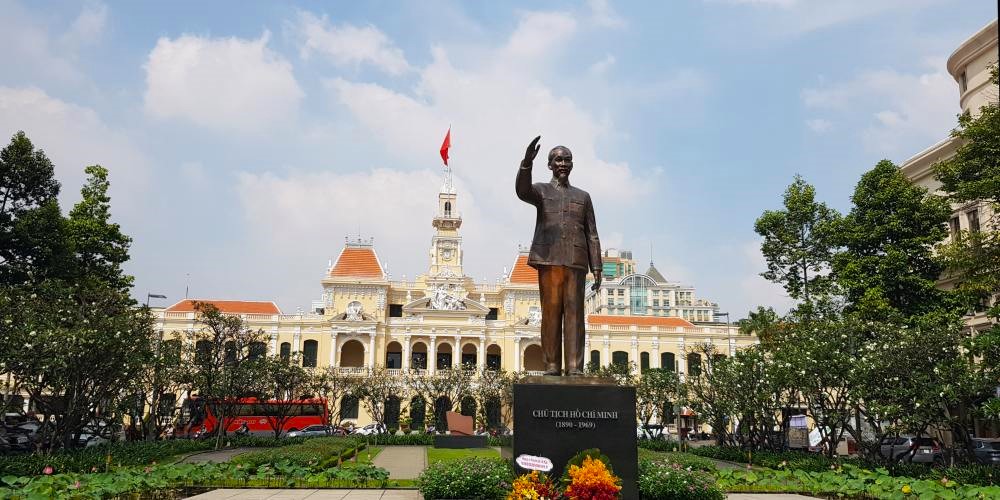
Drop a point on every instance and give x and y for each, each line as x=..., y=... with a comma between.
x=906, y=489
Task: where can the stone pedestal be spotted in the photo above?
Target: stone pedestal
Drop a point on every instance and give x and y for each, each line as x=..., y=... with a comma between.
x=558, y=417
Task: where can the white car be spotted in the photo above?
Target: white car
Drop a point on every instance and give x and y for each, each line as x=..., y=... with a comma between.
x=370, y=429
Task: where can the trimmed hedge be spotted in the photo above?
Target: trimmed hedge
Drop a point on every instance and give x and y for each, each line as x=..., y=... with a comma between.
x=128, y=453
x=659, y=444
x=317, y=453
x=475, y=477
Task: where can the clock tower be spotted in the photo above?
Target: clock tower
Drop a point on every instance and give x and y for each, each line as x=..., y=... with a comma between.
x=446, y=244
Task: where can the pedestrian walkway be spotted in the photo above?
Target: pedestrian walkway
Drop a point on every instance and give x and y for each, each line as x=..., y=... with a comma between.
x=228, y=494
x=217, y=456
x=402, y=462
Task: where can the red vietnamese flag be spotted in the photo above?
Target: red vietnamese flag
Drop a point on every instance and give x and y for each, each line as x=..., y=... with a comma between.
x=445, y=146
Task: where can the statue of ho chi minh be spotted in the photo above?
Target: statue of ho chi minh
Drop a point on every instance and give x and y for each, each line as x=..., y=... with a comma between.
x=565, y=246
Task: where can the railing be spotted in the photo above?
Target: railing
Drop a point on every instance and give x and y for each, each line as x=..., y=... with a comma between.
x=395, y=372
x=352, y=370
x=535, y=373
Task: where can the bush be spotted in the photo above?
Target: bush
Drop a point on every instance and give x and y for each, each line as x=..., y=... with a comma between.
x=317, y=453
x=687, y=461
x=501, y=441
x=982, y=475
x=404, y=440
x=659, y=444
x=669, y=480
x=477, y=477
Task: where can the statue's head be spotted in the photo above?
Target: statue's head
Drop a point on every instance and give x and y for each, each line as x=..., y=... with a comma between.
x=561, y=162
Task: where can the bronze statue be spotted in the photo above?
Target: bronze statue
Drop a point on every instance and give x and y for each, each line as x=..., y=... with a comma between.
x=564, y=248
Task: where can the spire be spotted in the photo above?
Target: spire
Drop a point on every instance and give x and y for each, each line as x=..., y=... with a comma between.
x=653, y=273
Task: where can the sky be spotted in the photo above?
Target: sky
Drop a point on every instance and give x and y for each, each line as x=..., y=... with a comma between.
x=247, y=140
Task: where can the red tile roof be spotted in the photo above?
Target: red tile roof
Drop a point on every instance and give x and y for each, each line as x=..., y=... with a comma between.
x=229, y=306
x=357, y=262
x=523, y=274
x=596, y=319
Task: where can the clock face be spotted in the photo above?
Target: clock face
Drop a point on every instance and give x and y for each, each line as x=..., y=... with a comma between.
x=446, y=254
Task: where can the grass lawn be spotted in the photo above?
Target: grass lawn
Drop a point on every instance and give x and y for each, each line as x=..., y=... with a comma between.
x=448, y=454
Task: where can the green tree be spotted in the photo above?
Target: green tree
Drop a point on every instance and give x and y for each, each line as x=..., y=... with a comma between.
x=224, y=367
x=71, y=335
x=31, y=224
x=798, y=243
x=285, y=380
x=887, y=268
x=658, y=389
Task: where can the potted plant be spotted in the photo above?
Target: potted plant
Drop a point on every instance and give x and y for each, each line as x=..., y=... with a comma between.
x=404, y=424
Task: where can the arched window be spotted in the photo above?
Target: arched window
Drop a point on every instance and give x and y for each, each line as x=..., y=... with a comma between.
x=694, y=364
x=468, y=407
x=447, y=209
x=619, y=358
x=493, y=357
x=172, y=352
x=418, y=356
x=595, y=358
x=392, y=412
x=231, y=352
x=469, y=356
x=418, y=410
x=442, y=405
x=668, y=361
x=349, y=407
x=256, y=351
x=310, y=349
x=638, y=284
x=393, y=355
x=286, y=351
x=493, y=418
x=533, y=358
x=643, y=361
x=202, y=351
x=352, y=354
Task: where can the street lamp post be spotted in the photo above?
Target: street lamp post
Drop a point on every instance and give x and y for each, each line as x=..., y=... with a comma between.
x=153, y=296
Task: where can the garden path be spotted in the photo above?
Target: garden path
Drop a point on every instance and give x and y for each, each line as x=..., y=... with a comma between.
x=402, y=462
x=217, y=456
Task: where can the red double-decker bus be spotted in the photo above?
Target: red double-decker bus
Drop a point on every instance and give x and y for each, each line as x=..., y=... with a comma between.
x=200, y=417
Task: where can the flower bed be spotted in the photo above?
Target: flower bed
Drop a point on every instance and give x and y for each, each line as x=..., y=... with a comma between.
x=481, y=478
x=666, y=479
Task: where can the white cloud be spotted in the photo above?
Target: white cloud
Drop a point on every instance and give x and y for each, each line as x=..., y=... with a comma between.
x=31, y=50
x=819, y=125
x=602, y=14
x=602, y=66
x=74, y=137
x=794, y=17
x=348, y=45
x=88, y=27
x=227, y=84
x=899, y=113
x=537, y=37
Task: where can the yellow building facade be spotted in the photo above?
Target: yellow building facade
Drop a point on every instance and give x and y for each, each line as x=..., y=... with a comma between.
x=443, y=319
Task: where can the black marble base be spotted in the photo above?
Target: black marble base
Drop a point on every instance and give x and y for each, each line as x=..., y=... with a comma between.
x=448, y=441
x=557, y=419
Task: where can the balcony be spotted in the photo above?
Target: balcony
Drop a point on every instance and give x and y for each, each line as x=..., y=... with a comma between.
x=352, y=370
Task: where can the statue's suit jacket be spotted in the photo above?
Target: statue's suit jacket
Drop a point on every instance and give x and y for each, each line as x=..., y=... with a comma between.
x=565, y=229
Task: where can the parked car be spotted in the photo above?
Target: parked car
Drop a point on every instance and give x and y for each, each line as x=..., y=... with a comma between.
x=913, y=449
x=313, y=430
x=370, y=429
x=987, y=450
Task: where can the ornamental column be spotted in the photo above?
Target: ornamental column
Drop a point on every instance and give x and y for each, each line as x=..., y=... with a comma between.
x=655, y=362
x=274, y=342
x=432, y=356
x=406, y=353
x=607, y=351
x=333, y=348
x=371, y=350
x=481, y=355
x=517, y=354
x=635, y=354
x=456, y=359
